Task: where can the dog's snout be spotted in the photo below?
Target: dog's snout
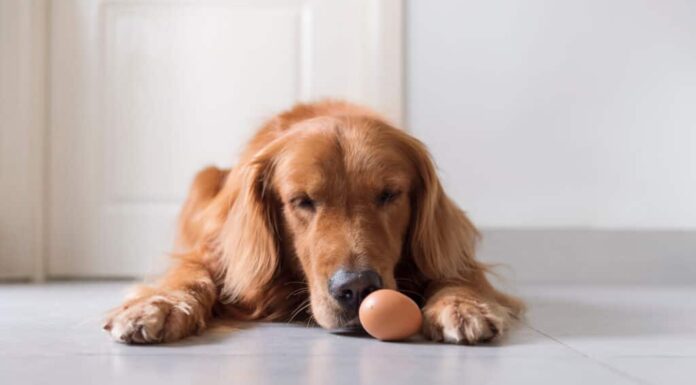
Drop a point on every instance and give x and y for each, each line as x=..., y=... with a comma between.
x=350, y=287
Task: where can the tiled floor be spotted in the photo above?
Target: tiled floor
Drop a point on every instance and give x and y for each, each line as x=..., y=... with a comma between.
x=572, y=335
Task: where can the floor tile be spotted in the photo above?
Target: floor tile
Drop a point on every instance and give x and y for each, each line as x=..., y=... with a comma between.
x=614, y=321
x=599, y=335
x=658, y=370
x=368, y=367
x=647, y=333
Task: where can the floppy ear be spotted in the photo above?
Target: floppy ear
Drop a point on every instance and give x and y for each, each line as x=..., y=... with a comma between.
x=442, y=238
x=248, y=240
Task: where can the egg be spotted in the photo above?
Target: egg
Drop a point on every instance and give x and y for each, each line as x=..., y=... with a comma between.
x=389, y=315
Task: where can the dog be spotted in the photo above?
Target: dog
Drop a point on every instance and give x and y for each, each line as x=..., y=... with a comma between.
x=328, y=203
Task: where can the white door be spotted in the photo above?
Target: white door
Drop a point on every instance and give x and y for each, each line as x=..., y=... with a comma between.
x=145, y=93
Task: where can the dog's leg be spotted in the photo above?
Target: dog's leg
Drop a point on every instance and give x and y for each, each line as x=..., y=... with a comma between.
x=177, y=307
x=182, y=302
x=467, y=313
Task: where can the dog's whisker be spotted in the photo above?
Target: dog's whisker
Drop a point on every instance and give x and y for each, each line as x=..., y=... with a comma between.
x=292, y=295
x=305, y=304
x=310, y=320
x=298, y=291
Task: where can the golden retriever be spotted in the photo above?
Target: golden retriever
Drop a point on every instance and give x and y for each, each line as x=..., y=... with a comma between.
x=328, y=203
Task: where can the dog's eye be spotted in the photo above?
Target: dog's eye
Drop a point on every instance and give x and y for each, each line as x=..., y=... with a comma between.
x=303, y=202
x=387, y=196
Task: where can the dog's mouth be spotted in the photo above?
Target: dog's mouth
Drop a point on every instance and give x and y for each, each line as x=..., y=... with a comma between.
x=352, y=327
x=334, y=318
x=352, y=324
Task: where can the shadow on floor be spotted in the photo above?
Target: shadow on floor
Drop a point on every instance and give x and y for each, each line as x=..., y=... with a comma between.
x=218, y=331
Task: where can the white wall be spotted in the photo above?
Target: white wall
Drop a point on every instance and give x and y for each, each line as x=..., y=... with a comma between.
x=548, y=113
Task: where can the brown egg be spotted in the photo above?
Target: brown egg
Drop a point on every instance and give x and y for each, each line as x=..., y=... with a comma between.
x=390, y=316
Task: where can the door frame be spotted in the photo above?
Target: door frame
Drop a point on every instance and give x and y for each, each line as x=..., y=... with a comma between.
x=24, y=61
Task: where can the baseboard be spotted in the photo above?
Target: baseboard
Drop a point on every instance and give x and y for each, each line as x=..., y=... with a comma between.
x=525, y=256
x=591, y=256
x=5, y=277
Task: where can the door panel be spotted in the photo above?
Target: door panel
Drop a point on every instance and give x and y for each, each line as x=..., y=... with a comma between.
x=147, y=92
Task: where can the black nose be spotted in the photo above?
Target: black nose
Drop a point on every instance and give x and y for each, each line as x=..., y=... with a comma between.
x=350, y=287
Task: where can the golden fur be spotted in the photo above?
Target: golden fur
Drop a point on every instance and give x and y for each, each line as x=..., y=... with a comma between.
x=319, y=187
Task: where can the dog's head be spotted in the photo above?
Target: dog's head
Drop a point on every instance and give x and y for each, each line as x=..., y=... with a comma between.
x=343, y=199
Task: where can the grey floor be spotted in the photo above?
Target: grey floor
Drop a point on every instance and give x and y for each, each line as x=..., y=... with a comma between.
x=50, y=334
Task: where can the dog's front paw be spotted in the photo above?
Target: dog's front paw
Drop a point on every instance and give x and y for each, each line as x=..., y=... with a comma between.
x=464, y=320
x=156, y=318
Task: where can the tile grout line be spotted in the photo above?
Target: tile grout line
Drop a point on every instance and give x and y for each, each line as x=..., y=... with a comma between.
x=595, y=360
